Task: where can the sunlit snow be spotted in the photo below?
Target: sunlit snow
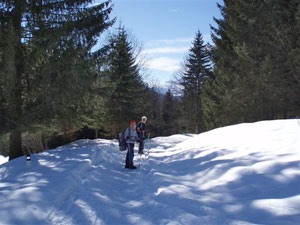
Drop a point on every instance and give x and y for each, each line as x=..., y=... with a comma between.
x=242, y=174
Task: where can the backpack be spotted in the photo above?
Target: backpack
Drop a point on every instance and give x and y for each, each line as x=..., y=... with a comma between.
x=122, y=141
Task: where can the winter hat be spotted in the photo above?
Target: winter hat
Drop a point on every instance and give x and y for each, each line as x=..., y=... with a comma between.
x=133, y=121
x=144, y=117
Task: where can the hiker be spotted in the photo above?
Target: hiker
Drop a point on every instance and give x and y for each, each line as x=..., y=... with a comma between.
x=131, y=137
x=141, y=130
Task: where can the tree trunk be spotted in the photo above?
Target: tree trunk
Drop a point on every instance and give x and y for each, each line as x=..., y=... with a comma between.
x=15, y=144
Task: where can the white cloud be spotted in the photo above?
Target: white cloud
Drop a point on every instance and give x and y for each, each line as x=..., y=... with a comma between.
x=164, y=64
x=167, y=54
x=174, y=41
x=166, y=50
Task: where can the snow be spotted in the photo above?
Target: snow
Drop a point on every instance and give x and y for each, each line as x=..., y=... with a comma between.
x=3, y=159
x=243, y=174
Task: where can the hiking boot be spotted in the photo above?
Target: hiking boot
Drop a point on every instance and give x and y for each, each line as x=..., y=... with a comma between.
x=133, y=167
x=127, y=167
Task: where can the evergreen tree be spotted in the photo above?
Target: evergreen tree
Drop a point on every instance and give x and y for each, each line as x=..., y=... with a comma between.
x=215, y=90
x=168, y=114
x=196, y=71
x=125, y=94
x=256, y=44
x=36, y=35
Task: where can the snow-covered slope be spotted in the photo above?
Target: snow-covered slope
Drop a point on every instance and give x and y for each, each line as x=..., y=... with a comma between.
x=243, y=174
x=3, y=159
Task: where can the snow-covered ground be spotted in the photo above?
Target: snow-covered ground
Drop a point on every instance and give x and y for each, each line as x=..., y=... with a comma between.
x=243, y=174
x=3, y=159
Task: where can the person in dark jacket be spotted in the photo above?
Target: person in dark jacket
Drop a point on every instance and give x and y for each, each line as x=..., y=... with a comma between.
x=141, y=130
x=131, y=137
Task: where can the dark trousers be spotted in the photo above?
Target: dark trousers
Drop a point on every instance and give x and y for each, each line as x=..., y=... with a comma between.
x=129, y=155
x=141, y=140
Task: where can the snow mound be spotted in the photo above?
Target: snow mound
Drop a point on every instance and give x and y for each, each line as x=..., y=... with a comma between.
x=242, y=174
x=3, y=159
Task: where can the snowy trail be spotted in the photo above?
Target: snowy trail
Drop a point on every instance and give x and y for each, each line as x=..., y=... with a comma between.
x=130, y=200
x=102, y=176
x=243, y=174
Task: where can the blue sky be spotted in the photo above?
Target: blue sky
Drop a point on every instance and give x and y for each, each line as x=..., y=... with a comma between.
x=166, y=29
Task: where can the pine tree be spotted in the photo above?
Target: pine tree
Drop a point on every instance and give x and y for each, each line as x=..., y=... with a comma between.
x=216, y=89
x=168, y=115
x=196, y=71
x=255, y=69
x=124, y=102
x=33, y=36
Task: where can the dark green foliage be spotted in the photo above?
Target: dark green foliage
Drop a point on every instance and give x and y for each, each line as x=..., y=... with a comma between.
x=152, y=105
x=4, y=145
x=256, y=68
x=46, y=65
x=193, y=77
x=169, y=115
x=125, y=92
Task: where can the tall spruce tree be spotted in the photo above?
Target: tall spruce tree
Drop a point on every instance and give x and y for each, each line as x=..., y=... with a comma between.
x=255, y=69
x=36, y=35
x=215, y=90
x=195, y=72
x=125, y=95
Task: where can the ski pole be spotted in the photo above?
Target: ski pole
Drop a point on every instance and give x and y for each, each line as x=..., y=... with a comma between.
x=148, y=148
x=140, y=160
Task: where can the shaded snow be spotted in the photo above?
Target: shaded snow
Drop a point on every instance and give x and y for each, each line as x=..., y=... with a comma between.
x=243, y=174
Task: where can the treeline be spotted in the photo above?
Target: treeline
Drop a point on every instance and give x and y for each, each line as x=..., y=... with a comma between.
x=256, y=60
x=47, y=69
x=251, y=73
x=54, y=88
